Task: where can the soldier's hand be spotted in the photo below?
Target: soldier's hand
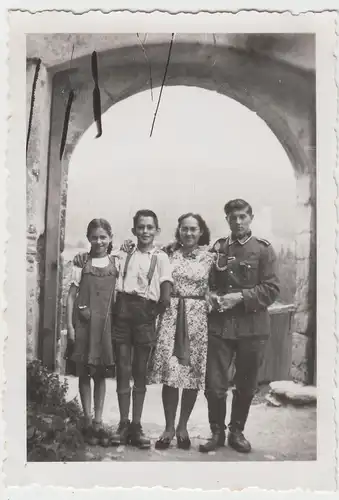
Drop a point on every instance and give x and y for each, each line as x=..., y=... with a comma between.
x=80, y=259
x=212, y=301
x=127, y=246
x=230, y=300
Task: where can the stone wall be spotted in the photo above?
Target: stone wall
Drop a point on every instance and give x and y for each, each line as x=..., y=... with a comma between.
x=37, y=162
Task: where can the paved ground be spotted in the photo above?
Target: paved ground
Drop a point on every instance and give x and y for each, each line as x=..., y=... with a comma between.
x=284, y=433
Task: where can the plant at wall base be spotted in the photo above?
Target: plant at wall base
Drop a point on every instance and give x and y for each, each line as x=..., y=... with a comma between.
x=53, y=433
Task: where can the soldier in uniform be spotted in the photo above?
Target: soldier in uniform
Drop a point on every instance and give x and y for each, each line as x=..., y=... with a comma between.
x=243, y=284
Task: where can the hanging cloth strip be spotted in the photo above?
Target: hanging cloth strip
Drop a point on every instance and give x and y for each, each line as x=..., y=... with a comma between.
x=96, y=94
x=181, y=343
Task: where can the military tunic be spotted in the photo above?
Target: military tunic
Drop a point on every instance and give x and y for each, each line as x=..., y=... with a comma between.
x=248, y=267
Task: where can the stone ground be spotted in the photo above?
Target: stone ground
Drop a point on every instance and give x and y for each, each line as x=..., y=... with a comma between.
x=284, y=433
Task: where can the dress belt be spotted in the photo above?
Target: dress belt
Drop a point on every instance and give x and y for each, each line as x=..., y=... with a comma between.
x=181, y=342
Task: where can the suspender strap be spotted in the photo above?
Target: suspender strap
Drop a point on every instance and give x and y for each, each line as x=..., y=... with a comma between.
x=152, y=268
x=128, y=258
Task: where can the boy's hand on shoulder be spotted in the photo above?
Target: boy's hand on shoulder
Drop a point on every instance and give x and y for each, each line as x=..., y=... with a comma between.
x=80, y=259
x=127, y=246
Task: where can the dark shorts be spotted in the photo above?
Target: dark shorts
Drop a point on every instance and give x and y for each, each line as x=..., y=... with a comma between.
x=134, y=320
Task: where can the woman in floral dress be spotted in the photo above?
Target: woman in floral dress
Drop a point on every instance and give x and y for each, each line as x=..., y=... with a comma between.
x=179, y=359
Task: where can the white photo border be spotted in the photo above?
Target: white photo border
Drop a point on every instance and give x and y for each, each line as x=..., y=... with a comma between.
x=318, y=475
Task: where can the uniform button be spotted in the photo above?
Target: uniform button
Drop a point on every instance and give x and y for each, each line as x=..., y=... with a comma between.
x=230, y=286
x=231, y=272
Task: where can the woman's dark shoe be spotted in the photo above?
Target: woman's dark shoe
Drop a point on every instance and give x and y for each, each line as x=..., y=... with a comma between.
x=122, y=434
x=137, y=437
x=164, y=442
x=216, y=440
x=238, y=442
x=183, y=442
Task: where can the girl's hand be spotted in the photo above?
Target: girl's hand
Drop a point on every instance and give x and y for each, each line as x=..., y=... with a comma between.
x=84, y=313
x=80, y=259
x=70, y=333
x=127, y=246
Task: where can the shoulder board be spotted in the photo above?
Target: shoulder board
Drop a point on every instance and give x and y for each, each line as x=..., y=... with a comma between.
x=265, y=242
x=218, y=245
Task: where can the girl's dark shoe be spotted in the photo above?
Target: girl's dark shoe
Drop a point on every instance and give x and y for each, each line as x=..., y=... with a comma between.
x=122, y=434
x=138, y=438
x=102, y=435
x=238, y=442
x=90, y=436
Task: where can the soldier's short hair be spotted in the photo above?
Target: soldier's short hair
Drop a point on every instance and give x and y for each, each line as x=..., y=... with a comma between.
x=237, y=204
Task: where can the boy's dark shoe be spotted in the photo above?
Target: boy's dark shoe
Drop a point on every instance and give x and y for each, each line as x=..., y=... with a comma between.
x=138, y=438
x=121, y=436
x=238, y=442
x=216, y=440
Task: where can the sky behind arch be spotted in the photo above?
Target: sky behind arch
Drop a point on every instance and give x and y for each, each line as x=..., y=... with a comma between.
x=206, y=149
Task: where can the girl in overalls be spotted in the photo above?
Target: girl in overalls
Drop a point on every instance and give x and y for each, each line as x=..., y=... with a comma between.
x=89, y=316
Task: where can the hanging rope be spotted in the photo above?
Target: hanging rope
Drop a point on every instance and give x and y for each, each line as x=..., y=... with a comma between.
x=163, y=83
x=66, y=123
x=148, y=62
x=31, y=111
x=96, y=95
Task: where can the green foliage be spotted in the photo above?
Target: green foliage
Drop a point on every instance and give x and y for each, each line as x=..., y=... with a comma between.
x=53, y=432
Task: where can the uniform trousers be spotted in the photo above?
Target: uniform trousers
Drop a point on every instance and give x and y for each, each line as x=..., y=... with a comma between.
x=248, y=354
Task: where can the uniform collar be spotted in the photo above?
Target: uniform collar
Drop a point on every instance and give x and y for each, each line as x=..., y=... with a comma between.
x=242, y=241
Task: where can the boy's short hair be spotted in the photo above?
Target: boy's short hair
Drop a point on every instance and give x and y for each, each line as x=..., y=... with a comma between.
x=237, y=204
x=145, y=213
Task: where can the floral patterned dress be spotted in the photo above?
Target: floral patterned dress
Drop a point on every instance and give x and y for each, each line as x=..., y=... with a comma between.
x=190, y=276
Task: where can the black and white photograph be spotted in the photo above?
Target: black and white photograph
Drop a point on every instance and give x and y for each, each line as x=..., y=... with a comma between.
x=172, y=246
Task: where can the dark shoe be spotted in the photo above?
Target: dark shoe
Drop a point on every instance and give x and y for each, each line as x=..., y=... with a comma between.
x=121, y=436
x=238, y=442
x=90, y=436
x=184, y=443
x=163, y=443
x=104, y=437
x=217, y=440
x=137, y=437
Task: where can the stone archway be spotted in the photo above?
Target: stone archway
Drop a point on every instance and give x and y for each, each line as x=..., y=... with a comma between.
x=282, y=95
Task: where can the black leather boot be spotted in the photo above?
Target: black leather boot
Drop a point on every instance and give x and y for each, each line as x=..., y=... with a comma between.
x=216, y=416
x=240, y=408
x=237, y=441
